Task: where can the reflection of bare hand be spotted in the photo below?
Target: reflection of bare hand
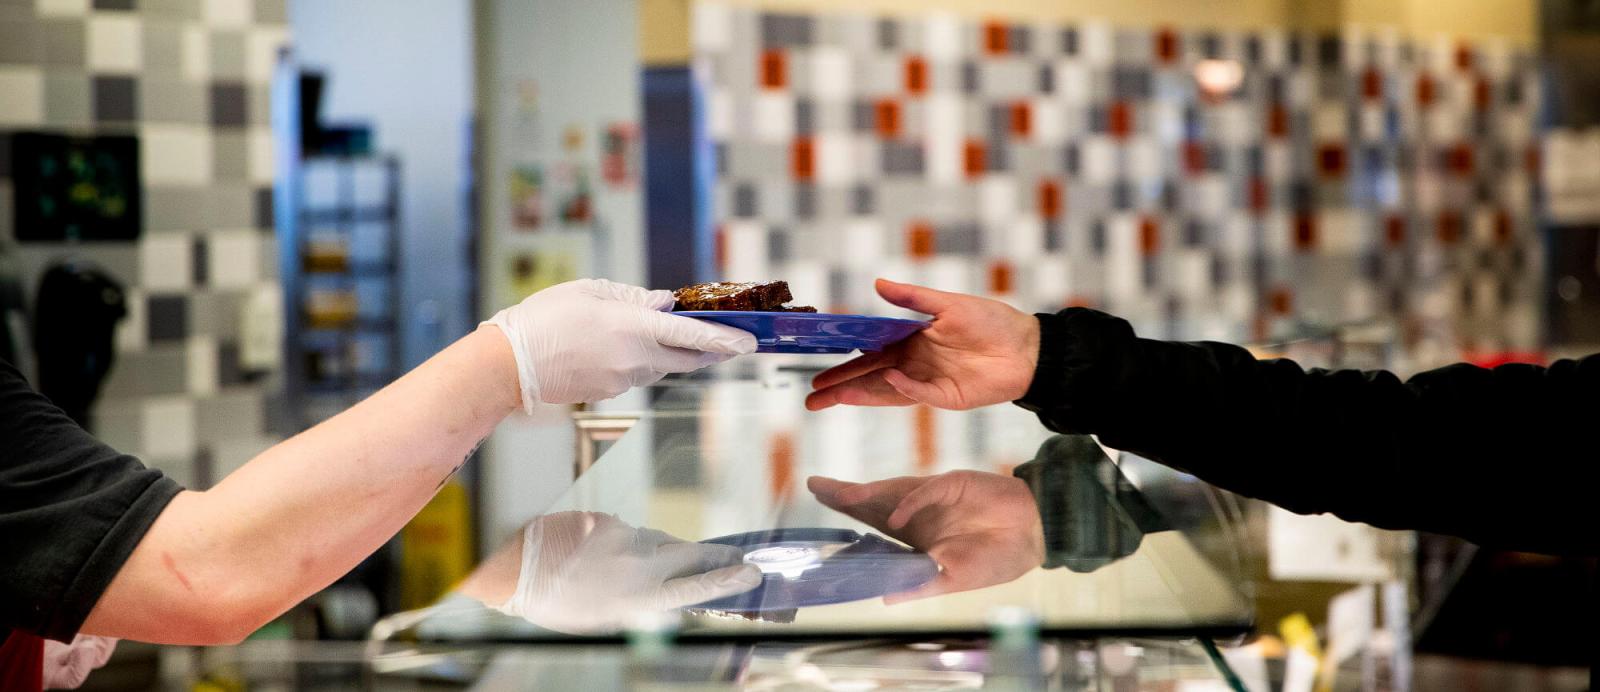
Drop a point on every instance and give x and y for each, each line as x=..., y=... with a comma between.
x=982, y=528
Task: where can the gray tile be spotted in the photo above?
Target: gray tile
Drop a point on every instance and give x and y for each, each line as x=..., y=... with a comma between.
x=888, y=34
x=118, y=424
x=229, y=416
x=259, y=99
x=272, y=12
x=215, y=314
x=268, y=256
x=230, y=371
x=960, y=238
x=786, y=30
x=227, y=55
x=745, y=203
x=163, y=46
x=116, y=99
x=20, y=43
x=174, y=209
x=754, y=161
x=7, y=210
x=805, y=201
x=172, y=101
x=66, y=98
x=229, y=206
x=169, y=318
x=805, y=116
x=263, y=212
x=5, y=155
x=778, y=245
x=200, y=271
x=170, y=9
x=115, y=5
x=229, y=107
x=64, y=44
x=902, y=158
x=230, y=156
x=863, y=199
x=161, y=370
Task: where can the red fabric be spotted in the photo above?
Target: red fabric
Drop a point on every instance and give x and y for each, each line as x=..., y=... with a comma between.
x=22, y=663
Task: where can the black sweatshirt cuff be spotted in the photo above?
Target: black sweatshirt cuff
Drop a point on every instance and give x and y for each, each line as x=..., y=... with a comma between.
x=1081, y=356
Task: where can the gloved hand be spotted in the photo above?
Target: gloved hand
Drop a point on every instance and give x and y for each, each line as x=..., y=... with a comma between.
x=66, y=666
x=586, y=572
x=593, y=339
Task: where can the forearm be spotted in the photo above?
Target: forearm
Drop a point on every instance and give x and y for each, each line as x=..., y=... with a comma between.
x=306, y=511
x=1456, y=451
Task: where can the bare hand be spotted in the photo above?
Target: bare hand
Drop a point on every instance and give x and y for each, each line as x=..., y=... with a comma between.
x=977, y=352
x=982, y=528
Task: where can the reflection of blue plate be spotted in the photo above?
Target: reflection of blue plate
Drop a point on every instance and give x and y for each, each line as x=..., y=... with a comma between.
x=809, y=567
x=810, y=332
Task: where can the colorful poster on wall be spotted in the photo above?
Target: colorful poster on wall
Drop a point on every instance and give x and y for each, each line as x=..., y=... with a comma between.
x=619, y=154
x=532, y=272
x=574, y=193
x=527, y=197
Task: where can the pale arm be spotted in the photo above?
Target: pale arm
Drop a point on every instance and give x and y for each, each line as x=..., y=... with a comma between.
x=218, y=564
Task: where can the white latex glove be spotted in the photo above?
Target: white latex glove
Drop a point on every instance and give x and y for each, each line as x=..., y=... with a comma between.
x=586, y=572
x=66, y=666
x=593, y=339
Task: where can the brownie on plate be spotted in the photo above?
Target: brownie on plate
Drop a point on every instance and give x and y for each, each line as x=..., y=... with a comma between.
x=728, y=295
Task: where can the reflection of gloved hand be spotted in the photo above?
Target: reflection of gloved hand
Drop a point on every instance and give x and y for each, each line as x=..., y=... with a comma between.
x=66, y=666
x=592, y=339
x=585, y=572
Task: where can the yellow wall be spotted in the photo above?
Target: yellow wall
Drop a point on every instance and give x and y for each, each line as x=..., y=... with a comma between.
x=664, y=24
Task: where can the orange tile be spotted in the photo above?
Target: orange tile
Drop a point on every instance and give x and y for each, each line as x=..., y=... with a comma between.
x=975, y=158
x=1021, y=119
x=916, y=75
x=803, y=159
x=1480, y=94
x=1394, y=231
x=1277, y=121
x=1149, y=236
x=1120, y=119
x=719, y=247
x=1331, y=160
x=1530, y=161
x=996, y=37
x=1463, y=56
x=1449, y=229
x=1258, y=194
x=1502, y=227
x=1166, y=45
x=1460, y=160
x=1281, y=300
x=774, y=69
x=1424, y=90
x=1001, y=277
x=1371, y=84
x=1050, y=203
x=1194, y=157
x=1305, y=231
x=920, y=240
x=780, y=467
x=887, y=118
x=925, y=434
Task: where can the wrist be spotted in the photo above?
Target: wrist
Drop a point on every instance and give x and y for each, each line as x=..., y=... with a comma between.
x=500, y=366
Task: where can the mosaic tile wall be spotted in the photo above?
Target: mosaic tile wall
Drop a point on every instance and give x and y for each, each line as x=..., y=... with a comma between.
x=191, y=79
x=1348, y=177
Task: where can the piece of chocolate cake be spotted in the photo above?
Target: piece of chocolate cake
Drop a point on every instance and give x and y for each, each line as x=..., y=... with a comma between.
x=727, y=295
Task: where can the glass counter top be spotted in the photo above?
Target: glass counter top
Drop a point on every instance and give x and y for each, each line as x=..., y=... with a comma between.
x=1128, y=548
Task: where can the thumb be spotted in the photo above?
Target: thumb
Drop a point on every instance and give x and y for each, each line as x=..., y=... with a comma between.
x=919, y=298
x=657, y=300
x=687, y=332
x=916, y=390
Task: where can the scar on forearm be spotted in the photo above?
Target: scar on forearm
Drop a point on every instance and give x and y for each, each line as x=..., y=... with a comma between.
x=172, y=566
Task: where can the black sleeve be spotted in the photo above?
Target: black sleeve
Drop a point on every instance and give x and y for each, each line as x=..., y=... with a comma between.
x=71, y=511
x=1506, y=457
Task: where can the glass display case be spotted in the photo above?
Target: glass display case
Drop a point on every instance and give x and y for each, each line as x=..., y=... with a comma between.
x=1093, y=569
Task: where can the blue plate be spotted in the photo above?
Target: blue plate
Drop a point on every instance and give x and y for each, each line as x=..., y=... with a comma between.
x=809, y=567
x=811, y=332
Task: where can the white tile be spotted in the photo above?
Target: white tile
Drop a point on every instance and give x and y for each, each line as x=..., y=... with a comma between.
x=808, y=281
x=997, y=200
x=23, y=103
x=772, y=117
x=719, y=113
x=261, y=161
x=862, y=243
x=942, y=142
x=1049, y=124
x=261, y=53
x=746, y=245
x=835, y=160
x=1097, y=159
x=1338, y=233
x=115, y=43
x=169, y=433
x=1275, y=229
x=176, y=155
x=830, y=74
x=1328, y=122
x=1274, y=49
x=1073, y=82
x=1191, y=272
x=1208, y=195
x=1051, y=280
x=1370, y=116
x=1277, y=161
x=711, y=27
x=235, y=260
x=1166, y=120
x=1025, y=238
x=200, y=357
x=226, y=13
x=942, y=37
x=951, y=273
x=195, y=54
x=62, y=8
x=166, y=261
x=131, y=335
x=1123, y=261
x=1096, y=43
x=1144, y=158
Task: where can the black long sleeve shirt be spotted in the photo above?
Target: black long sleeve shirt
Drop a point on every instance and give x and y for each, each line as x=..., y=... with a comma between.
x=1507, y=457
